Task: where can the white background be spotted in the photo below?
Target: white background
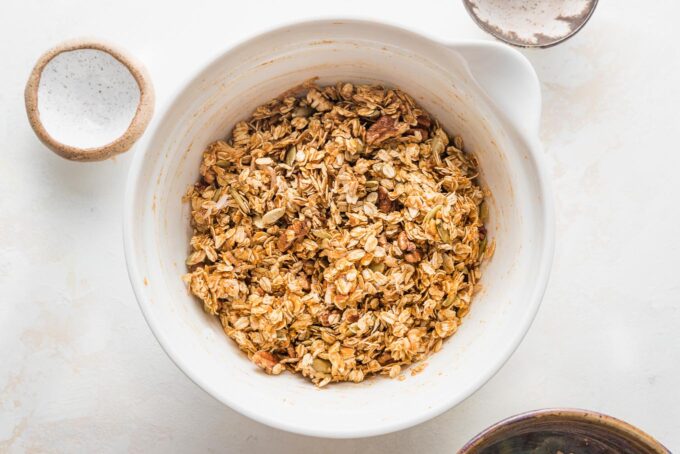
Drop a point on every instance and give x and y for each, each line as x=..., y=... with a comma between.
x=80, y=370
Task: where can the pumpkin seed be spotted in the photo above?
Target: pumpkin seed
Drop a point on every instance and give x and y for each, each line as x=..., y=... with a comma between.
x=443, y=233
x=272, y=216
x=484, y=212
x=302, y=111
x=431, y=214
x=449, y=301
x=240, y=201
x=322, y=234
x=372, y=185
x=452, y=150
x=377, y=267
x=321, y=365
x=290, y=156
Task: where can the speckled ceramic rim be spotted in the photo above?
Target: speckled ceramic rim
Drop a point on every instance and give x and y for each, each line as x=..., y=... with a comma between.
x=617, y=428
x=493, y=32
x=123, y=143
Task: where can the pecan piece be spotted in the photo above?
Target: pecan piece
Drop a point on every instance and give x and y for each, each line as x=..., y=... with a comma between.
x=424, y=121
x=402, y=241
x=324, y=318
x=265, y=360
x=297, y=231
x=423, y=133
x=384, y=358
x=384, y=203
x=381, y=130
x=423, y=126
x=329, y=318
x=404, y=244
x=286, y=240
x=413, y=257
x=291, y=352
x=301, y=229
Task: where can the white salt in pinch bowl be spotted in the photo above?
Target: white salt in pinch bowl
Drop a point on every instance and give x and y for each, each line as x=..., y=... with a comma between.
x=531, y=23
x=86, y=100
x=485, y=91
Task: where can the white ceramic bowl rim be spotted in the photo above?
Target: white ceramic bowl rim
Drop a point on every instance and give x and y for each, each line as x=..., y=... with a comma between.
x=529, y=135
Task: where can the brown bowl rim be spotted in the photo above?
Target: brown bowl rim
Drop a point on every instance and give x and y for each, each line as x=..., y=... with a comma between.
x=618, y=426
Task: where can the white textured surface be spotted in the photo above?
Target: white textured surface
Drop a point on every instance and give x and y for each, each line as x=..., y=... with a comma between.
x=86, y=98
x=81, y=371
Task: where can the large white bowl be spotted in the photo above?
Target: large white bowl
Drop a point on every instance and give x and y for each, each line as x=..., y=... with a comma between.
x=485, y=91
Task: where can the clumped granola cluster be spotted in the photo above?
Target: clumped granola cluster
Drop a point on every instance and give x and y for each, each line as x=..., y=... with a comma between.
x=337, y=234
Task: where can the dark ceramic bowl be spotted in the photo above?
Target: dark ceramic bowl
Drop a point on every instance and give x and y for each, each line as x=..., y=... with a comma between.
x=567, y=431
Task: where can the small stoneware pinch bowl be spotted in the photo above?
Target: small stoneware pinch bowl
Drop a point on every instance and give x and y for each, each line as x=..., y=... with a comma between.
x=87, y=100
x=521, y=23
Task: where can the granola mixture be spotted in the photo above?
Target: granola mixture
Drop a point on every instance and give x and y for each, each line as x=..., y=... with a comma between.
x=338, y=234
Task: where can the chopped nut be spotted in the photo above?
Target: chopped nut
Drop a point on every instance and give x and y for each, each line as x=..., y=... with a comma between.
x=265, y=360
x=381, y=130
x=300, y=228
x=385, y=358
x=384, y=203
x=353, y=317
x=423, y=133
x=297, y=231
x=286, y=240
x=302, y=111
x=402, y=241
x=413, y=257
x=424, y=122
